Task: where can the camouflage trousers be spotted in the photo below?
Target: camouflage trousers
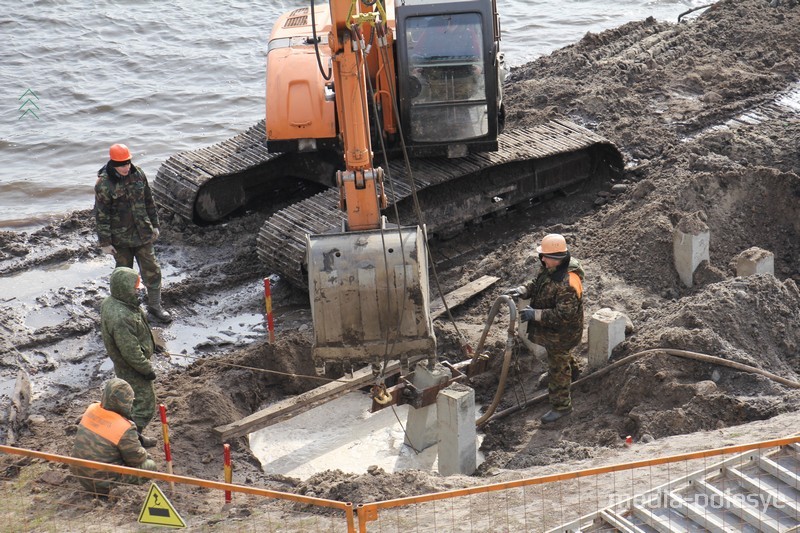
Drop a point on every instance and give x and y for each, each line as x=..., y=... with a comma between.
x=559, y=369
x=144, y=403
x=100, y=481
x=145, y=256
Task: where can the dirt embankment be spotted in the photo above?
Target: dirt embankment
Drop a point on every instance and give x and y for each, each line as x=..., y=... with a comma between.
x=702, y=111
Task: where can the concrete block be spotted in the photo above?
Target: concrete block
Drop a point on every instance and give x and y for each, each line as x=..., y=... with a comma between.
x=755, y=261
x=421, y=430
x=458, y=447
x=606, y=331
x=690, y=244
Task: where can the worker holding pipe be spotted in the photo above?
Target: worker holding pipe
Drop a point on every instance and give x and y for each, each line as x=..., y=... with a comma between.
x=555, y=318
x=107, y=435
x=130, y=345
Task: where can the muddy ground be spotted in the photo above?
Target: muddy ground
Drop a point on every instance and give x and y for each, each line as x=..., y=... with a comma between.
x=706, y=115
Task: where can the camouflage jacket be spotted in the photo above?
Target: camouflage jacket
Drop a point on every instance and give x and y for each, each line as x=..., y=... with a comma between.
x=106, y=434
x=559, y=293
x=126, y=332
x=124, y=210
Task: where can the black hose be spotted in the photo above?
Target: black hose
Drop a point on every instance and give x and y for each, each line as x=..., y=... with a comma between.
x=693, y=10
x=676, y=353
x=328, y=76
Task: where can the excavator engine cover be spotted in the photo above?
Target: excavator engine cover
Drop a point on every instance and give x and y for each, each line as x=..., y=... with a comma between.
x=369, y=295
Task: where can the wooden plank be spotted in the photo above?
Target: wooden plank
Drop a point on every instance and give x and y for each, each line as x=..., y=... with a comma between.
x=298, y=404
x=461, y=295
x=764, y=522
x=619, y=522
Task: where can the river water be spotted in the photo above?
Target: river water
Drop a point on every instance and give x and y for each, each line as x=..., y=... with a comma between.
x=76, y=77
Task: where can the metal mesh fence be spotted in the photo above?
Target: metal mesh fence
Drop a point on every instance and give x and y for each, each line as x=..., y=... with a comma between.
x=753, y=487
x=758, y=490
x=40, y=495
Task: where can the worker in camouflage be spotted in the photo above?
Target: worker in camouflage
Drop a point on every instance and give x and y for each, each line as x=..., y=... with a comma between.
x=555, y=318
x=127, y=222
x=106, y=435
x=130, y=345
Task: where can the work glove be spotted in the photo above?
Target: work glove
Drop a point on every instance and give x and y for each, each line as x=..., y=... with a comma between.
x=526, y=314
x=150, y=377
x=530, y=313
x=515, y=292
x=108, y=249
x=156, y=234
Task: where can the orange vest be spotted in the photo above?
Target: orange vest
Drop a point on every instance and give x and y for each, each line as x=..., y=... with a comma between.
x=107, y=424
x=575, y=283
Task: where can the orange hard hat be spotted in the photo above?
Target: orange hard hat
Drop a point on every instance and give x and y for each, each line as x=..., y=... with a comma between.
x=552, y=243
x=119, y=152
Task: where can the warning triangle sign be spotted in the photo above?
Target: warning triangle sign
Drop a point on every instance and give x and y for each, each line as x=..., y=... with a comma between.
x=158, y=511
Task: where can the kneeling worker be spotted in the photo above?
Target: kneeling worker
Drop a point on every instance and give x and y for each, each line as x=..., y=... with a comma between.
x=107, y=435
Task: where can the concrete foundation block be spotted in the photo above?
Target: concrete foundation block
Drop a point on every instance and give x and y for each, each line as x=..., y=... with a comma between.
x=690, y=244
x=755, y=261
x=458, y=447
x=606, y=331
x=421, y=430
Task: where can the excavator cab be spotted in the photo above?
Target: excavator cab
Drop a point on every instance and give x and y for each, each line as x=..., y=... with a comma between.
x=447, y=75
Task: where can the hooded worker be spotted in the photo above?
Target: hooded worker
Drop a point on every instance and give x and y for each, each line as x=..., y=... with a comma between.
x=106, y=435
x=555, y=317
x=130, y=345
x=127, y=222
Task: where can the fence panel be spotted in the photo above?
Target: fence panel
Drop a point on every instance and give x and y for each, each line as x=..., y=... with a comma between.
x=753, y=487
x=39, y=493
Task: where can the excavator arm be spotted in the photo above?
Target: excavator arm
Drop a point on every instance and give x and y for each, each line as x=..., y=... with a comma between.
x=369, y=284
x=360, y=184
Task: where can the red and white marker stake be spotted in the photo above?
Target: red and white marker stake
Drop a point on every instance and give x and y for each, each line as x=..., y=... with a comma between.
x=228, y=471
x=165, y=432
x=268, y=300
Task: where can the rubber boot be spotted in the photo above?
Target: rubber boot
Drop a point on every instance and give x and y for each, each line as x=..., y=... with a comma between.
x=154, y=306
x=553, y=415
x=147, y=442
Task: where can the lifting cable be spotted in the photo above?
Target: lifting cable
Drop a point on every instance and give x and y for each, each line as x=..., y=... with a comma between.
x=704, y=358
x=380, y=29
x=412, y=184
x=367, y=82
x=254, y=369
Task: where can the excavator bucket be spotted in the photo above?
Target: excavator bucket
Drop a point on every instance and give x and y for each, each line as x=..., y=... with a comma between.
x=369, y=295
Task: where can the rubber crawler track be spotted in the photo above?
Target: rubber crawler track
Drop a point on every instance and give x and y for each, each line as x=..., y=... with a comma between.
x=451, y=191
x=282, y=242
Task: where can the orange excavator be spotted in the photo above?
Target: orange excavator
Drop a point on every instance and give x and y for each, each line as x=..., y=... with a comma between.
x=420, y=84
